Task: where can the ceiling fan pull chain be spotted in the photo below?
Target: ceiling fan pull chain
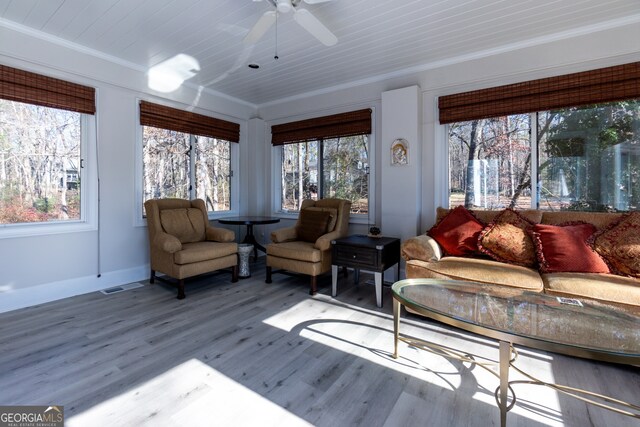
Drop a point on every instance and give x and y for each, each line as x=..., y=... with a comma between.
x=276, y=54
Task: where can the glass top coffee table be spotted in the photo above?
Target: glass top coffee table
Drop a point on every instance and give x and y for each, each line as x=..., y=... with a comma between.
x=535, y=320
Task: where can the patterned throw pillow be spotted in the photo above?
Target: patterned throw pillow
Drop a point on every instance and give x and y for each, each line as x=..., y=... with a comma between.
x=506, y=239
x=564, y=248
x=619, y=245
x=457, y=232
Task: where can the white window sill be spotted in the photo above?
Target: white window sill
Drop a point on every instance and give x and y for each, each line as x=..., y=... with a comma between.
x=11, y=231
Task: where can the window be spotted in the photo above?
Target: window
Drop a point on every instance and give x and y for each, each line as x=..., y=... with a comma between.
x=326, y=168
x=39, y=163
x=187, y=155
x=177, y=164
x=489, y=163
x=43, y=132
x=568, y=142
x=588, y=159
x=324, y=157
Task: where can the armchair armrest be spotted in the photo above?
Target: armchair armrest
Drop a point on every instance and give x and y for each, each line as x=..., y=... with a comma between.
x=423, y=248
x=218, y=234
x=167, y=243
x=324, y=242
x=284, y=235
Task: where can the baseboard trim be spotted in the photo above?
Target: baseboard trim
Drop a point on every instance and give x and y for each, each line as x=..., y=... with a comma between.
x=47, y=292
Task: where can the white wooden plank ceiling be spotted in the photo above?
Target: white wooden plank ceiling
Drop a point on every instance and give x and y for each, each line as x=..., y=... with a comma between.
x=375, y=37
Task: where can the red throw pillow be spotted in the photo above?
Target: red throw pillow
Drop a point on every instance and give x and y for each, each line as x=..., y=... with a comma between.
x=458, y=232
x=564, y=248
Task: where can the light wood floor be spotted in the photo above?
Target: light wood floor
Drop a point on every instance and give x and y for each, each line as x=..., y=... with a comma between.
x=260, y=355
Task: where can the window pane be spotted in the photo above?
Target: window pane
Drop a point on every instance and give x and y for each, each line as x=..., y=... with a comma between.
x=166, y=169
x=345, y=165
x=213, y=173
x=39, y=163
x=299, y=174
x=489, y=163
x=589, y=158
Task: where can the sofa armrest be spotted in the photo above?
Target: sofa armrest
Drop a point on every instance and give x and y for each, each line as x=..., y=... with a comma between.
x=423, y=248
x=284, y=235
x=167, y=243
x=218, y=234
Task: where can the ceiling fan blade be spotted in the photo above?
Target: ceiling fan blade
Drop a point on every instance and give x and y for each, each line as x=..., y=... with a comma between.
x=264, y=23
x=316, y=28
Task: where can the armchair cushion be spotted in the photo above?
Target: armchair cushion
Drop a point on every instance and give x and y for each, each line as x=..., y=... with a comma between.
x=203, y=251
x=186, y=224
x=312, y=224
x=297, y=250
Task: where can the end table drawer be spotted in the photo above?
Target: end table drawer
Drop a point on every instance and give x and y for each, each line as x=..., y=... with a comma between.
x=360, y=256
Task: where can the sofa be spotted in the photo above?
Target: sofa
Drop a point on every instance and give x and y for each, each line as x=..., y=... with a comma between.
x=608, y=271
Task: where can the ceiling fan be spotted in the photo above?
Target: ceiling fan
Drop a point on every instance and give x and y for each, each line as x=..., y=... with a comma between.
x=303, y=17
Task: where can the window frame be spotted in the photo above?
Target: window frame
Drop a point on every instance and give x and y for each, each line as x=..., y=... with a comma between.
x=276, y=175
x=140, y=220
x=88, y=192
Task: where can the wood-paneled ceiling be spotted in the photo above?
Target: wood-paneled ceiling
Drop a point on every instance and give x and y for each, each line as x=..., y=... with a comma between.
x=375, y=37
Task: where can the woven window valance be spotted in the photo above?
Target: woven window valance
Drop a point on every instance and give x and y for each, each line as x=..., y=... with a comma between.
x=164, y=117
x=334, y=126
x=31, y=88
x=589, y=87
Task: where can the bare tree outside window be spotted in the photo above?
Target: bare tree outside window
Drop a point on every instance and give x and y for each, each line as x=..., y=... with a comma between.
x=588, y=159
x=489, y=163
x=329, y=168
x=213, y=173
x=39, y=163
x=185, y=166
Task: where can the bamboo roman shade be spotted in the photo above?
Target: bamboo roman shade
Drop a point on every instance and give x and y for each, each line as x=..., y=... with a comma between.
x=31, y=88
x=334, y=126
x=589, y=87
x=164, y=117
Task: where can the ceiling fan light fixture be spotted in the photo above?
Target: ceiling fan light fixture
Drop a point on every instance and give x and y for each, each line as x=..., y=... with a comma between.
x=284, y=6
x=169, y=75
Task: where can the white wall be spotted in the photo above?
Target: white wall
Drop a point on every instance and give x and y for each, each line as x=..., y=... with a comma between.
x=37, y=269
x=41, y=268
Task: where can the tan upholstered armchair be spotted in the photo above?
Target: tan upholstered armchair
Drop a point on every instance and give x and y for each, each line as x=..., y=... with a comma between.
x=306, y=247
x=183, y=244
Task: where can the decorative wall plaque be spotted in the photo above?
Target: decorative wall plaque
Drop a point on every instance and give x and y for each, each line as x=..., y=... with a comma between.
x=399, y=152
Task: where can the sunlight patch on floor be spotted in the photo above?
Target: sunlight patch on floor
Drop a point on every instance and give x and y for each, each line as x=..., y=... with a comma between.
x=191, y=394
x=351, y=330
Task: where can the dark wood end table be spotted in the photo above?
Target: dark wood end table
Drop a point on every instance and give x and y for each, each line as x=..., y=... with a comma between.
x=361, y=252
x=250, y=221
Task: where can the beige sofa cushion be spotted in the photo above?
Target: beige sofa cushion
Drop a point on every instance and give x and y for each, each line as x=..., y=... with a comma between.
x=186, y=224
x=602, y=287
x=477, y=270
